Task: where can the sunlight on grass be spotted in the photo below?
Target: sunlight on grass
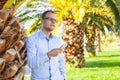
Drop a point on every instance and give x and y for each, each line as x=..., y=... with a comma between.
x=104, y=66
x=111, y=73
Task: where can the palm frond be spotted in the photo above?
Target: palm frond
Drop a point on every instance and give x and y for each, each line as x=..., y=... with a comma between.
x=8, y=4
x=32, y=11
x=115, y=9
x=33, y=26
x=100, y=21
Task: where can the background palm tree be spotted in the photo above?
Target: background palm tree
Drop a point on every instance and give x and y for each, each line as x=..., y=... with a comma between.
x=107, y=16
x=97, y=16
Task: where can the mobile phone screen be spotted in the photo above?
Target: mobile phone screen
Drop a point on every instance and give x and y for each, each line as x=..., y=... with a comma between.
x=64, y=45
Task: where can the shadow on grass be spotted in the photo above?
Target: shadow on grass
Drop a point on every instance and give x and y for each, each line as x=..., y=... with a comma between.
x=102, y=63
x=108, y=56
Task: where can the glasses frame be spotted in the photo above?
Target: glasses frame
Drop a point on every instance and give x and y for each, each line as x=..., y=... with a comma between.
x=51, y=19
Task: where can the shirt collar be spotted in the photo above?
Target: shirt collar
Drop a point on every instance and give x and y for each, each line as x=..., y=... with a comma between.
x=42, y=34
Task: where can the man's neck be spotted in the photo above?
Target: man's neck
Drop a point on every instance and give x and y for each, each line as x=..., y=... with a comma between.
x=47, y=33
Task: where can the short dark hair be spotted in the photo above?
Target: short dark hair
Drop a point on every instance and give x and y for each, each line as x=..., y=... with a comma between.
x=44, y=13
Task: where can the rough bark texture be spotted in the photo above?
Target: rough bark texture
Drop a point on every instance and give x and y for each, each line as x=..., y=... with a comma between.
x=73, y=35
x=90, y=39
x=2, y=3
x=97, y=40
x=12, y=50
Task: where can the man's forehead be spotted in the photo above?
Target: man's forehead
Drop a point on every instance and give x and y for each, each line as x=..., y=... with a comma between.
x=50, y=14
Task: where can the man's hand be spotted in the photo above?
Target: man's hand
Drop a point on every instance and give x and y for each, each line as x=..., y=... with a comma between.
x=55, y=52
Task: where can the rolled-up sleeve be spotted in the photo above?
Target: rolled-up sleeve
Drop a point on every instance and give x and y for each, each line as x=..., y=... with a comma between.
x=34, y=60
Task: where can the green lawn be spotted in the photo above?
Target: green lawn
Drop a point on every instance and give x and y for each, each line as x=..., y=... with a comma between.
x=104, y=66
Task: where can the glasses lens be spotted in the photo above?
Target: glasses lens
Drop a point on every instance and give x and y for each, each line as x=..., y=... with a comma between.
x=51, y=19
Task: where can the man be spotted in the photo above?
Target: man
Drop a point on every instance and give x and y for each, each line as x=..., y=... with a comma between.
x=44, y=51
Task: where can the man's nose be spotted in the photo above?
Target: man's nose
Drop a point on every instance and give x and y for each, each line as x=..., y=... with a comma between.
x=54, y=22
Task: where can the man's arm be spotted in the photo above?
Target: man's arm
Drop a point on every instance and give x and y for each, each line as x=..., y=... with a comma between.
x=34, y=60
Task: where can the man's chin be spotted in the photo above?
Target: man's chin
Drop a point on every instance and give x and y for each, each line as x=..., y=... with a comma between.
x=51, y=29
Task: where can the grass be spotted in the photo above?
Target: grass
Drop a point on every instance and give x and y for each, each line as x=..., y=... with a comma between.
x=104, y=66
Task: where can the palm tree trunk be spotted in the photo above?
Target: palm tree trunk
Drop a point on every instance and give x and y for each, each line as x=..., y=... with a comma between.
x=97, y=40
x=73, y=34
x=90, y=39
x=12, y=50
x=2, y=2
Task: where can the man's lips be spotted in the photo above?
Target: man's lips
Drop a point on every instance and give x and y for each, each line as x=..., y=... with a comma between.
x=52, y=25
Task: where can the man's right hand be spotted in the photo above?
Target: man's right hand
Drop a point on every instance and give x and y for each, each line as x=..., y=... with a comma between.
x=55, y=52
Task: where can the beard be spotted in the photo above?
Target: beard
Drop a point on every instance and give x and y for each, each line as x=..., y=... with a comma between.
x=49, y=29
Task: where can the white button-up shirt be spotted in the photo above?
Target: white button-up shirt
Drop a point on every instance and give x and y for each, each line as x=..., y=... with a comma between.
x=42, y=67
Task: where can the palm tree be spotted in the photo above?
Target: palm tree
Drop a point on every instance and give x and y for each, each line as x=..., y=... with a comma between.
x=76, y=14
x=12, y=51
x=110, y=20
x=96, y=17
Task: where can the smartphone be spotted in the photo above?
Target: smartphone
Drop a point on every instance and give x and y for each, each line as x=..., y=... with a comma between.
x=64, y=45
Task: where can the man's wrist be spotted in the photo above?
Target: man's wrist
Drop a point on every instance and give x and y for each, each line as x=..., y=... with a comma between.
x=48, y=54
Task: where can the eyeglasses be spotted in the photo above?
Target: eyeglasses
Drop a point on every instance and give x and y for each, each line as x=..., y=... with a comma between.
x=51, y=19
